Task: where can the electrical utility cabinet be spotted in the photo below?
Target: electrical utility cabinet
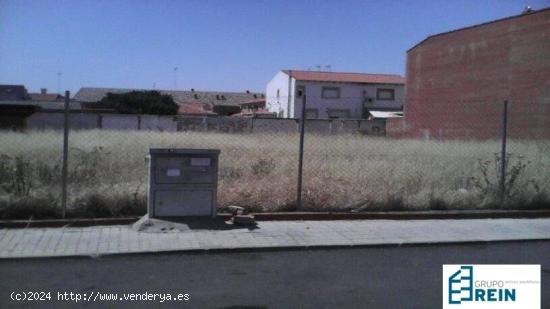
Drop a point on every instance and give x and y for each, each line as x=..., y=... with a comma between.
x=182, y=182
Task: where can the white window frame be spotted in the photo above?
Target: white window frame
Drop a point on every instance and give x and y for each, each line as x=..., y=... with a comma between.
x=378, y=90
x=324, y=91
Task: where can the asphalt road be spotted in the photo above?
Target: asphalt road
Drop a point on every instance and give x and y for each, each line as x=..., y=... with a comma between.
x=375, y=277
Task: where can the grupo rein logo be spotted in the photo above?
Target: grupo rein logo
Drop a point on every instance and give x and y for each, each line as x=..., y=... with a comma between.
x=491, y=286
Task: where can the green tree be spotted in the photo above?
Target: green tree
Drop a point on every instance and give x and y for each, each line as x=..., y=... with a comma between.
x=141, y=102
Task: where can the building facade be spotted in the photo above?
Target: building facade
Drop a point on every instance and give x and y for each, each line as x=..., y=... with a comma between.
x=457, y=81
x=333, y=94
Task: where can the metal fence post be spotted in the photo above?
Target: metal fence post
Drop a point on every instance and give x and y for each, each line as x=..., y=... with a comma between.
x=301, y=158
x=503, y=153
x=65, y=155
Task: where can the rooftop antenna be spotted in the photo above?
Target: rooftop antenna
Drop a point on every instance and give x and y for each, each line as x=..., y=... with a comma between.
x=175, y=78
x=58, y=82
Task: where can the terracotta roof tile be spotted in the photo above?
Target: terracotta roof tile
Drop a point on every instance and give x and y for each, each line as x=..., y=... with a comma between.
x=46, y=97
x=362, y=78
x=88, y=94
x=194, y=108
x=254, y=102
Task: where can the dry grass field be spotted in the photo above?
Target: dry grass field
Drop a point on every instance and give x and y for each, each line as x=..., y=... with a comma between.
x=107, y=172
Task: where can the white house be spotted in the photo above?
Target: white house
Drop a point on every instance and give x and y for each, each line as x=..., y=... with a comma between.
x=334, y=94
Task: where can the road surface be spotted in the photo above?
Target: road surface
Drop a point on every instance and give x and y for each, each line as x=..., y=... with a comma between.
x=374, y=277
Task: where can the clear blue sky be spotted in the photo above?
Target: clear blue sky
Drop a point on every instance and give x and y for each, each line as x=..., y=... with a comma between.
x=218, y=45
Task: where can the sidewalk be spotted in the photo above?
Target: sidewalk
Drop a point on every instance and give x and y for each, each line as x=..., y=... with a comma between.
x=102, y=240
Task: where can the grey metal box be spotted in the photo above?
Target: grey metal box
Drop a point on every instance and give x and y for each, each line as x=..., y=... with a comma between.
x=182, y=182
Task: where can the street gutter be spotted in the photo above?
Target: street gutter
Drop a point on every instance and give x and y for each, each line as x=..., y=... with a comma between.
x=306, y=216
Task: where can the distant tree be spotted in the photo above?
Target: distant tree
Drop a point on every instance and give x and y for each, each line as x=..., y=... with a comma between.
x=141, y=102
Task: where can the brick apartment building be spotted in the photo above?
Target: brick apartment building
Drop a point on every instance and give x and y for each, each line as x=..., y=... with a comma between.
x=456, y=81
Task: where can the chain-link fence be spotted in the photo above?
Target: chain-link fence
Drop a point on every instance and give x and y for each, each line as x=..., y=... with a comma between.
x=347, y=164
x=30, y=174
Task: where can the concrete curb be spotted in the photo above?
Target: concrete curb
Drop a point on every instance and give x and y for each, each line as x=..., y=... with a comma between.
x=66, y=222
x=271, y=249
x=404, y=215
x=306, y=216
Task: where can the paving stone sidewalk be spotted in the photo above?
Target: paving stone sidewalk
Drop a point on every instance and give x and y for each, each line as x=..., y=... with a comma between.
x=100, y=240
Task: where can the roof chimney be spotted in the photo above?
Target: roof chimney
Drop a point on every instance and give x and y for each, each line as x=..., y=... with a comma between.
x=527, y=10
x=43, y=90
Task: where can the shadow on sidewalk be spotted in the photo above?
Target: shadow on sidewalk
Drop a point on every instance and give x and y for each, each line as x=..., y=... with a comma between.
x=183, y=224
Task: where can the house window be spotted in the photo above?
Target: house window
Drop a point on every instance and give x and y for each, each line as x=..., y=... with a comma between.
x=330, y=93
x=300, y=90
x=338, y=113
x=278, y=93
x=312, y=113
x=385, y=94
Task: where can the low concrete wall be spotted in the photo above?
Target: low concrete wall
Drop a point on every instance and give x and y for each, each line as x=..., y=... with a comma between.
x=54, y=121
x=119, y=122
x=281, y=125
x=266, y=125
x=88, y=121
x=45, y=121
x=83, y=121
x=318, y=126
x=372, y=127
x=345, y=126
x=157, y=123
x=191, y=124
x=234, y=124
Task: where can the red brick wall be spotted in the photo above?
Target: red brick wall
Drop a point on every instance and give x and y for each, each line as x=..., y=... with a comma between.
x=456, y=82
